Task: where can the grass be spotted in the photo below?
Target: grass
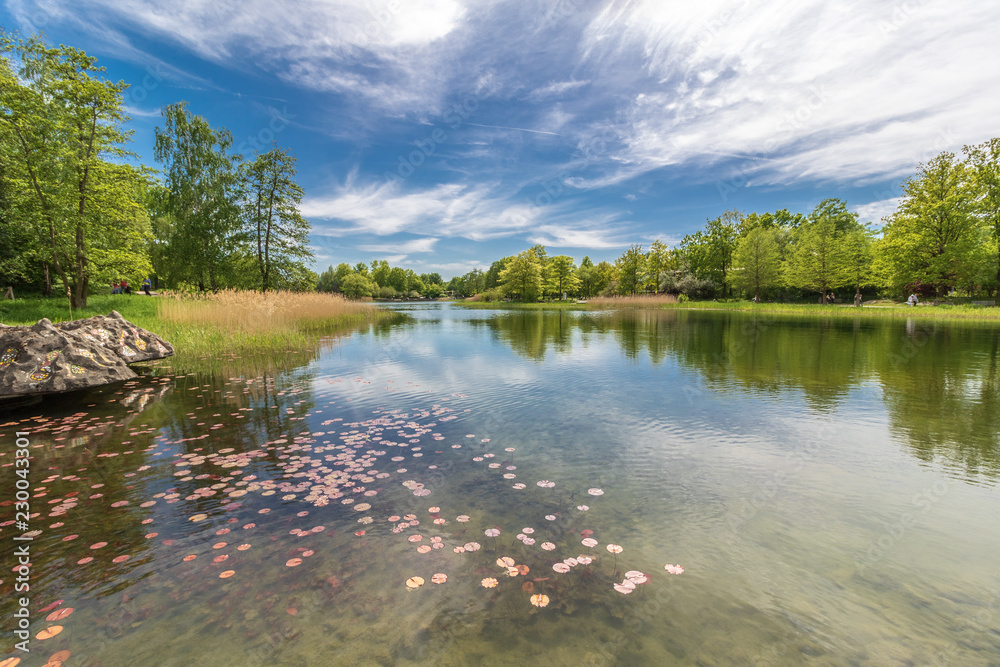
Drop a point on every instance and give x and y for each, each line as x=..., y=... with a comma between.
x=637, y=301
x=877, y=310
x=228, y=330
x=521, y=305
x=871, y=310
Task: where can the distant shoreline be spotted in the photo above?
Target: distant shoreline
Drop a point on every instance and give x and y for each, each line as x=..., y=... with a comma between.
x=878, y=310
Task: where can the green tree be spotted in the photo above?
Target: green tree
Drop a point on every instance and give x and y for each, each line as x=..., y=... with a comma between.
x=817, y=261
x=204, y=200
x=631, y=268
x=562, y=275
x=934, y=235
x=522, y=277
x=984, y=160
x=380, y=272
x=278, y=233
x=585, y=276
x=605, y=277
x=710, y=252
x=356, y=286
x=492, y=277
x=541, y=256
x=757, y=261
x=64, y=149
x=858, y=260
x=658, y=259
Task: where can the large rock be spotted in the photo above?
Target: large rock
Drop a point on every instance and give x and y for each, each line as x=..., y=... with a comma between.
x=46, y=358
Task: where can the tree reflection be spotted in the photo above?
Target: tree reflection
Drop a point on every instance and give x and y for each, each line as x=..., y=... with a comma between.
x=939, y=380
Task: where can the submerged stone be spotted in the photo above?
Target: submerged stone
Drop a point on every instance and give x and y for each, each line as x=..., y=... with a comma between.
x=47, y=358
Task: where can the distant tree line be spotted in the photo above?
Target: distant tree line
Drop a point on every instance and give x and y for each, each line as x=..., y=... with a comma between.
x=76, y=213
x=380, y=281
x=942, y=239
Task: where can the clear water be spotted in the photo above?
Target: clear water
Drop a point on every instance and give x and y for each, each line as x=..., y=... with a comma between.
x=830, y=489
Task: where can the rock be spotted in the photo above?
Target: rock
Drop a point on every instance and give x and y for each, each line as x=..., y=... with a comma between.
x=117, y=334
x=46, y=358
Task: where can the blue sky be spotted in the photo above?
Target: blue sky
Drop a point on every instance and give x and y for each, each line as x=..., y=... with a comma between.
x=443, y=134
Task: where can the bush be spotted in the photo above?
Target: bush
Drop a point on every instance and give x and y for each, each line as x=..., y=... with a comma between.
x=493, y=294
x=387, y=292
x=702, y=290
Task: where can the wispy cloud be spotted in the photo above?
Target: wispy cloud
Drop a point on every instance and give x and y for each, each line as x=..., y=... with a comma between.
x=873, y=212
x=404, y=248
x=451, y=210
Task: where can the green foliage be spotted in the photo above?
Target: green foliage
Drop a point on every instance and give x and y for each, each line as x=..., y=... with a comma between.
x=62, y=139
x=658, y=259
x=521, y=278
x=858, y=260
x=277, y=232
x=356, y=286
x=709, y=253
x=562, y=276
x=604, y=278
x=817, y=260
x=984, y=163
x=935, y=236
x=630, y=268
x=758, y=261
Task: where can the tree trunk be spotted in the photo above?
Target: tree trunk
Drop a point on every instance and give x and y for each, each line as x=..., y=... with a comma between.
x=47, y=290
x=79, y=299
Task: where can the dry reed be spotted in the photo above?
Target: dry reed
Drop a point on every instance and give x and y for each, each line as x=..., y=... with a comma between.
x=249, y=312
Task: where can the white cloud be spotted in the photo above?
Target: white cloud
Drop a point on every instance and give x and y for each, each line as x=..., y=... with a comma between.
x=562, y=236
x=375, y=49
x=555, y=89
x=450, y=209
x=831, y=91
x=404, y=248
x=876, y=210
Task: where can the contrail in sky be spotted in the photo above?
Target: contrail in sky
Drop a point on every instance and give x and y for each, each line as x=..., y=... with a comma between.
x=521, y=129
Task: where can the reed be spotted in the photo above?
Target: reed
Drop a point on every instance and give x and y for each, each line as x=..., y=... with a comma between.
x=229, y=329
x=247, y=313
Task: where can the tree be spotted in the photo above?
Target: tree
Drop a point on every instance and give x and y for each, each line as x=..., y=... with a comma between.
x=63, y=129
x=20, y=251
x=586, y=276
x=630, y=266
x=758, y=261
x=818, y=260
x=658, y=260
x=858, y=260
x=431, y=279
x=492, y=277
x=984, y=161
x=710, y=253
x=522, y=277
x=562, y=275
x=278, y=232
x=539, y=255
x=203, y=201
x=356, y=286
x=604, y=277
x=934, y=235
x=380, y=272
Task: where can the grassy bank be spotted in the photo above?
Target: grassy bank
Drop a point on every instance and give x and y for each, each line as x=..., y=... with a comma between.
x=231, y=327
x=877, y=310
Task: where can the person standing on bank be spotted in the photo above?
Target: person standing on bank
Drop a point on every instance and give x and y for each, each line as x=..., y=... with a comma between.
x=145, y=286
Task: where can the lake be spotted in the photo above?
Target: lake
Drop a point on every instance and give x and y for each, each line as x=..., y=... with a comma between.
x=670, y=488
